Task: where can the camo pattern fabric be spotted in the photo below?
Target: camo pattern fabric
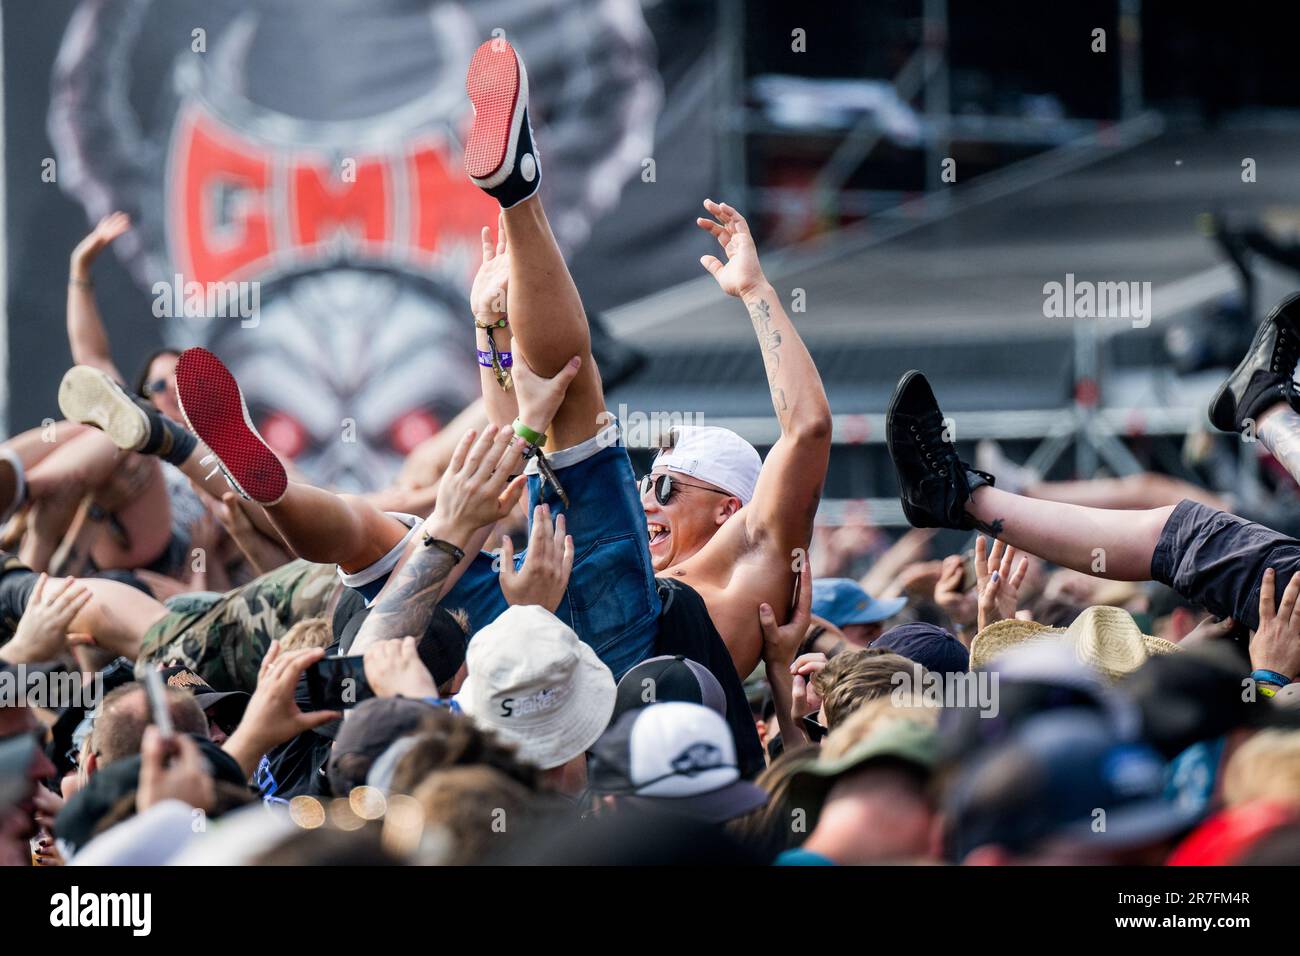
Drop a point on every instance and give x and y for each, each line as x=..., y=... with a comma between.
x=224, y=641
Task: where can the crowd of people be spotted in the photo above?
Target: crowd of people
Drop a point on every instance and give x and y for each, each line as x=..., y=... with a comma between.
x=518, y=652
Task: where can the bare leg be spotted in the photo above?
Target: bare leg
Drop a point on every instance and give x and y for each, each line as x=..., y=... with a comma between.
x=1141, y=491
x=1279, y=432
x=1110, y=544
x=117, y=616
x=321, y=526
x=547, y=320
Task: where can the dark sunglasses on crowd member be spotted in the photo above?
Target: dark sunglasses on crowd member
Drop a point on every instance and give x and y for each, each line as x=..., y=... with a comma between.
x=816, y=732
x=156, y=387
x=665, y=485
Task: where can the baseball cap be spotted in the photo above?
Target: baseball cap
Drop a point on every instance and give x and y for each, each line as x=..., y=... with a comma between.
x=533, y=682
x=668, y=678
x=367, y=731
x=715, y=455
x=674, y=757
x=928, y=644
x=1047, y=780
x=842, y=602
x=899, y=741
x=230, y=704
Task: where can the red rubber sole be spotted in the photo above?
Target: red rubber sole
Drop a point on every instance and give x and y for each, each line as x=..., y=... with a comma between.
x=493, y=86
x=213, y=407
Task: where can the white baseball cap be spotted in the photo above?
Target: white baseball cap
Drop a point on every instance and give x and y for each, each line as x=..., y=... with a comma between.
x=535, y=684
x=674, y=757
x=716, y=455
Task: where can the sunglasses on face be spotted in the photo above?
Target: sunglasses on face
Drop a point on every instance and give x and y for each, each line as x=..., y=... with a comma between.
x=156, y=387
x=815, y=731
x=666, y=486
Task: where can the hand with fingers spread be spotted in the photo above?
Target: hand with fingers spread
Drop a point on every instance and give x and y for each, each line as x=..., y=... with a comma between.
x=477, y=489
x=545, y=572
x=42, y=632
x=487, y=297
x=394, y=668
x=997, y=581
x=88, y=249
x=1276, y=644
x=950, y=593
x=173, y=768
x=741, y=274
x=272, y=715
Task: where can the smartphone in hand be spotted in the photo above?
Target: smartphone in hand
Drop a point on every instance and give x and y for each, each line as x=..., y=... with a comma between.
x=157, y=694
x=338, y=683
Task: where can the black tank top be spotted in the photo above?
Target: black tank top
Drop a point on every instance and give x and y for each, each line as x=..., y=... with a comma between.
x=685, y=628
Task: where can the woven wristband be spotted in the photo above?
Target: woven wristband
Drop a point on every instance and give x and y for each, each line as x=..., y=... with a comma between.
x=528, y=435
x=485, y=358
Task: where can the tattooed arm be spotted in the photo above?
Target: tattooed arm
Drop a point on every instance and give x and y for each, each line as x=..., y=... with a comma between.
x=790, y=483
x=476, y=492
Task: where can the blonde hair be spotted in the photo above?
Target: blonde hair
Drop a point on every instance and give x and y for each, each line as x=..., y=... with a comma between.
x=854, y=677
x=312, y=632
x=1265, y=767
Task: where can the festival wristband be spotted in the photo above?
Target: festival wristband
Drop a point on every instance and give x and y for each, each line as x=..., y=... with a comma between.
x=528, y=435
x=1267, y=690
x=500, y=323
x=1265, y=676
x=457, y=555
x=485, y=358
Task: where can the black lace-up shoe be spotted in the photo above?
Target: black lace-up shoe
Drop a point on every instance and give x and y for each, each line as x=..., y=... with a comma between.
x=1264, y=376
x=934, y=484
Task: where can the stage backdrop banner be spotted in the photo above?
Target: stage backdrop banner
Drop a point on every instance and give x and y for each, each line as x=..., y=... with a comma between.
x=293, y=173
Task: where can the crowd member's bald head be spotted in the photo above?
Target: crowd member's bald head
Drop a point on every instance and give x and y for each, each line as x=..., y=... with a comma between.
x=124, y=714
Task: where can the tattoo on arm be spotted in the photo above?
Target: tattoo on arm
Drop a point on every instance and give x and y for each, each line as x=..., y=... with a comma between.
x=769, y=340
x=406, y=607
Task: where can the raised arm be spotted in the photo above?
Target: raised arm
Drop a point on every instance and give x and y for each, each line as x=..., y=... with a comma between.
x=488, y=302
x=86, y=334
x=790, y=484
x=475, y=493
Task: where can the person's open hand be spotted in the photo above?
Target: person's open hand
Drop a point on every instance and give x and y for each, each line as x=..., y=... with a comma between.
x=741, y=274
x=1276, y=644
x=42, y=632
x=106, y=230
x=394, y=668
x=477, y=489
x=547, y=564
x=997, y=581
x=487, y=297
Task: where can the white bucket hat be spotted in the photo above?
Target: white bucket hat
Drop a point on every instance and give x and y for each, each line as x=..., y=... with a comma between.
x=535, y=684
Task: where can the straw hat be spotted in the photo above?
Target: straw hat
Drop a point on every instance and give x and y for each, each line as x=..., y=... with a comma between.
x=1104, y=638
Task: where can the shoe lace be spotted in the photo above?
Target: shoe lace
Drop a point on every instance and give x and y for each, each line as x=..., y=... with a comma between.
x=929, y=435
x=1286, y=352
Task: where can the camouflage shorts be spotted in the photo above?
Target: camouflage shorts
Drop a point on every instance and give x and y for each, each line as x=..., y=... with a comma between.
x=224, y=639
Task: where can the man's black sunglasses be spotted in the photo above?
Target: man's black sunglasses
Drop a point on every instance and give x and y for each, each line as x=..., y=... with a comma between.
x=664, y=486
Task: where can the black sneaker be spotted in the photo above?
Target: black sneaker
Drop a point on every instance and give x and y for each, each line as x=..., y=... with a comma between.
x=1264, y=376
x=933, y=483
x=499, y=154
